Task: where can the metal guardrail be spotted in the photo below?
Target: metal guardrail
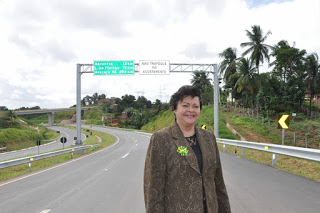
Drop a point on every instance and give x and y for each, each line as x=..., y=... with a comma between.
x=30, y=159
x=304, y=153
x=3, y=148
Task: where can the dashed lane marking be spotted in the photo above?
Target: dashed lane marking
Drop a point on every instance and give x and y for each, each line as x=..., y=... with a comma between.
x=125, y=155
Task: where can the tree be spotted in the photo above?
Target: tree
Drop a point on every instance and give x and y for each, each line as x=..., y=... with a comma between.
x=102, y=96
x=289, y=67
x=228, y=67
x=11, y=115
x=156, y=107
x=287, y=60
x=141, y=103
x=313, y=70
x=128, y=101
x=202, y=82
x=247, y=77
x=259, y=51
x=95, y=98
x=87, y=100
x=3, y=108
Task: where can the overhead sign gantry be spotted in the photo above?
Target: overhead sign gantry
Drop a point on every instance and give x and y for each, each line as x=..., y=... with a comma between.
x=145, y=67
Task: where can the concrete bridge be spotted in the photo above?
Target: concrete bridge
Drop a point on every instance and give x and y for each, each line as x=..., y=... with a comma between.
x=50, y=112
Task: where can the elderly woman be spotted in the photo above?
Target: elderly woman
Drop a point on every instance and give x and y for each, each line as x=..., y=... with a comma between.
x=182, y=168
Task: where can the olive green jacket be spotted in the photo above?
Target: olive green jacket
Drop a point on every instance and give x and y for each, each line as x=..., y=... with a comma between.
x=173, y=183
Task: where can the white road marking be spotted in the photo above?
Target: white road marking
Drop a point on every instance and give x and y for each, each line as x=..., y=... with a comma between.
x=125, y=155
x=45, y=211
x=67, y=162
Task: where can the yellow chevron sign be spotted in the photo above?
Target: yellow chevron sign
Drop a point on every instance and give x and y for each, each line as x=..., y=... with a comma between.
x=204, y=126
x=283, y=121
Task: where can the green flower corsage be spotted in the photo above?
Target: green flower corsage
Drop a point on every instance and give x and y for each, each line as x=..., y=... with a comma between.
x=183, y=151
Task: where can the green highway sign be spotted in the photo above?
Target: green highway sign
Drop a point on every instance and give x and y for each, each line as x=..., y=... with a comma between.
x=113, y=67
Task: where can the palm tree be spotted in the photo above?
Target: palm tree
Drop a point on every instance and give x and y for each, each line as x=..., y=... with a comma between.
x=313, y=70
x=258, y=50
x=228, y=67
x=247, y=80
x=200, y=80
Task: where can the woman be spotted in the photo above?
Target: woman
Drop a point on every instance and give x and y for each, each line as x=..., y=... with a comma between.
x=182, y=169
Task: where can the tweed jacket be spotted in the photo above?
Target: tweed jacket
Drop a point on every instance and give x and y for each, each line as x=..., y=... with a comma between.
x=173, y=183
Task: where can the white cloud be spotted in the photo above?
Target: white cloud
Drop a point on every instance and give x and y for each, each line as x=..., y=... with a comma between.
x=42, y=41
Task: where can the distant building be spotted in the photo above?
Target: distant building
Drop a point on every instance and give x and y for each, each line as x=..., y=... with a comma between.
x=123, y=116
x=315, y=100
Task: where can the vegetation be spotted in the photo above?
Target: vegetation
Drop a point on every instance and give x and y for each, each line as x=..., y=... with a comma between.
x=19, y=170
x=14, y=134
x=289, y=86
x=166, y=118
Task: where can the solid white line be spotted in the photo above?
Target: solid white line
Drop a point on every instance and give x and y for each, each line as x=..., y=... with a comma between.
x=21, y=178
x=45, y=211
x=125, y=155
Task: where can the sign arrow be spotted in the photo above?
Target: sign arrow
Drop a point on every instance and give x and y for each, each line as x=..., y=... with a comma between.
x=283, y=122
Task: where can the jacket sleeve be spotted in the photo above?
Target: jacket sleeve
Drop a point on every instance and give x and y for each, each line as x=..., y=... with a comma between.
x=222, y=195
x=154, y=176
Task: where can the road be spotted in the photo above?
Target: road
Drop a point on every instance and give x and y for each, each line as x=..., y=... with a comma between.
x=110, y=180
x=54, y=145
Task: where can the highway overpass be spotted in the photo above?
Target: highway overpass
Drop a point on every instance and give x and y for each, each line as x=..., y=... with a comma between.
x=50, y=112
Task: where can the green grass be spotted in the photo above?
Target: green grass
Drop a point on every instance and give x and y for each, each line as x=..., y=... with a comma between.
x=244, y=125
x=94, y=114
x=94, y=122
x=166, y=118
x=19, y=170
x=159, y=122
x=301, y=167
x=15, y=139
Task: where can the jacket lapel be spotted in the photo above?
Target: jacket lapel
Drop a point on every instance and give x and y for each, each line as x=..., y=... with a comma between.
x=205, y=147
x=180, y=140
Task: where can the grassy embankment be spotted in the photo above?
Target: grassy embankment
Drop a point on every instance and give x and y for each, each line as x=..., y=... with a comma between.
x=246, y=126
x=206, y=118
x=19, y=133
x=251, y=128
x=97, y=137
x=94, y=116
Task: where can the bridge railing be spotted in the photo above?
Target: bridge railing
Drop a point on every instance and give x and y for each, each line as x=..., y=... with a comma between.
x=30, y=159
x=304, y=153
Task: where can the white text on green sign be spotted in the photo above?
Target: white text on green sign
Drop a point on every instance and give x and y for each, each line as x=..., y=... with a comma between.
x=113, y=67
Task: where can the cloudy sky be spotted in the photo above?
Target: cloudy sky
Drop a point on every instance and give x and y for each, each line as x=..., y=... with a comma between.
x=41, y=42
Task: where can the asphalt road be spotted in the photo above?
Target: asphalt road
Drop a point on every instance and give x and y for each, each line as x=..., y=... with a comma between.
x=110, y=180
x=54, y=145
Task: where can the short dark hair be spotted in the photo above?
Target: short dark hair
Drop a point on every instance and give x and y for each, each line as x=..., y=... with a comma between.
x=182, y=93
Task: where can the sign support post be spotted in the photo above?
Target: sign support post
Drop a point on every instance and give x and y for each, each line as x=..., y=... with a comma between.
x=216, y=101
x=78, y=108
x=159, y=68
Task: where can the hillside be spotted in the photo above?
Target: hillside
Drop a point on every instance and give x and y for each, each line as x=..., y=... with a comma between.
x=300, y=129
x=18, y=134
x=206, y=118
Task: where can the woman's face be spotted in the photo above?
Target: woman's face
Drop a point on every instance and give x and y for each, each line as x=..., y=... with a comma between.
x=188, y=111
